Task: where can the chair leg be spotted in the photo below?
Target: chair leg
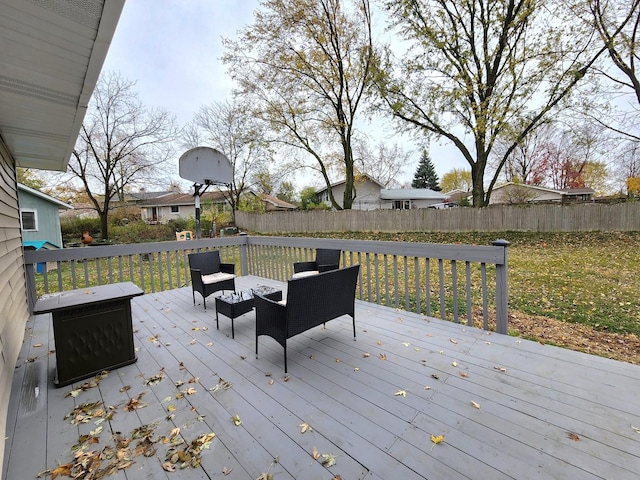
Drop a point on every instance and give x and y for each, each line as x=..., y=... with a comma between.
x=285, y=358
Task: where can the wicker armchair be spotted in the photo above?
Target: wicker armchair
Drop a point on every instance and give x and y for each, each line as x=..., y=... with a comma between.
x=209, y=275
x=326, y=259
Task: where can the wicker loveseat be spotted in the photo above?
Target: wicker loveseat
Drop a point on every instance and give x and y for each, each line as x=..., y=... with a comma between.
x=209, y=274
x=311, y=301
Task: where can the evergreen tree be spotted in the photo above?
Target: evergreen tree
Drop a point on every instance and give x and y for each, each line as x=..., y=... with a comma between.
x=426, y=176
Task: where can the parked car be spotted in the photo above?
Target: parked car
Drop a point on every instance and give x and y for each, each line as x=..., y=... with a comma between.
x=443, y=206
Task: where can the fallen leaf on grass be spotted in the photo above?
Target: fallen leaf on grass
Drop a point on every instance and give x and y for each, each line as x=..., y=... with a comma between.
x=573, y=436
x=304, y=427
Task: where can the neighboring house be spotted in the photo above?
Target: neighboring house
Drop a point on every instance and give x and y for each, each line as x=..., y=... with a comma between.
x=458, y=196
x=408, y=198
x=516, y=193
x=274, y=204
x=180, y=205
x=367, y=193
x=49, y=67
x=40, y=217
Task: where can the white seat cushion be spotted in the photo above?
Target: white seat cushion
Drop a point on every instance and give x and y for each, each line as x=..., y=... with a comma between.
x=217, y=277
x=304, y=274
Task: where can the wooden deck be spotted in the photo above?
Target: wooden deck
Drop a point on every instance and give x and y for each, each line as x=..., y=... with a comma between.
x=372, y=405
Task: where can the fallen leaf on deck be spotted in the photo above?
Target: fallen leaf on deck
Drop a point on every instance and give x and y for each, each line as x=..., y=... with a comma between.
x=436, y=440
x=453, y=340
x=475, y=404
x=328, y=460
x=378, y=342
x=192, y=342
x=401, y=393
x=454, y=363
x=61, y=470
x=435, y=376
x=427, y=387
x=502, y=369
x=366, y=355
x=383, y=356
x=406, y=344
x=236, y=420
x=265, y=476
x=573, y=436
x=315, y=454
x=125, y=388
x=194, y=380
x=226, y=471
x=337, y=477
x=171, y=408
x=636, y=429
x=304, y=427
x=271, y=382
x=338, y=360
x=210, y=344
x=37, y=345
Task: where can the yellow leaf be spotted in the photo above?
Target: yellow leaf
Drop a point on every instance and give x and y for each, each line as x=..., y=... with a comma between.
x=305, y=427
x=406, y=344
x=171, y=408
x=436, y=440
x=190, y=391
x=454, y=363
x=236, y=420
x=401, y=393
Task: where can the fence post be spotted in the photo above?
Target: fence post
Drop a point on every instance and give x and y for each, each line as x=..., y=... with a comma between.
x=502, y=290
x=244, y=264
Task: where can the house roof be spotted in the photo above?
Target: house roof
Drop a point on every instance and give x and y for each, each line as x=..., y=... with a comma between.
x=276, y=202
x=411, y=194
x=182, y=199
x=49, y=65
x=44, y=196
x=358, y=179
x=565, y=192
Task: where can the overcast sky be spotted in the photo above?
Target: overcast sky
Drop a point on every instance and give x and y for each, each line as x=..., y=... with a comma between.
x=171, y=48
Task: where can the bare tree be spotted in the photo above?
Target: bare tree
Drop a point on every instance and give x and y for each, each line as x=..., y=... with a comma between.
x=229, y=128
x=120, y=143
x=305, y=66
x=383, y=162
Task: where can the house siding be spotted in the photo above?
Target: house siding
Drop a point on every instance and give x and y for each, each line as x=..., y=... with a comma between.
x=13, y=308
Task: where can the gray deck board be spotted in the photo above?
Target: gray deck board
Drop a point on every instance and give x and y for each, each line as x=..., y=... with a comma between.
x=346, y=393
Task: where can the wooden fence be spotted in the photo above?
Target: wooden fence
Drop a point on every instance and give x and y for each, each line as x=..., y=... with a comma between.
x=499, y=218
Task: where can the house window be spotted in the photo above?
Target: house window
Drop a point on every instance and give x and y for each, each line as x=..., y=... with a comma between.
x=175, y=209
x=402, y=204
x=28, y=220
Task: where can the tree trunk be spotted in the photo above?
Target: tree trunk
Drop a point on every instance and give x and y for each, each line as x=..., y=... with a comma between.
x=104, y=225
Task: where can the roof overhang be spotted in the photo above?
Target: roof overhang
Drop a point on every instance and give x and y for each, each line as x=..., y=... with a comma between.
x=49, y=65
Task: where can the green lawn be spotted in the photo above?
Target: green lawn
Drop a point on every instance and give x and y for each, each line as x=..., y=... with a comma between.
x=589, y=277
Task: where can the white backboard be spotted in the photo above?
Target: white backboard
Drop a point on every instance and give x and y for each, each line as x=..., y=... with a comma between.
x=206, y=166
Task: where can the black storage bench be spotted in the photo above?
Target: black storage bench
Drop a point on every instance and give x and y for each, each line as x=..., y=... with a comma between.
x=92, y=329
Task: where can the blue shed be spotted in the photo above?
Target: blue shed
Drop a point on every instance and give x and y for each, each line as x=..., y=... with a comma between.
x=40, y=217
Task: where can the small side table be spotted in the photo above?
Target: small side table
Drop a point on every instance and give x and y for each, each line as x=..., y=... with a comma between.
x=232, y=305
x=92, y=329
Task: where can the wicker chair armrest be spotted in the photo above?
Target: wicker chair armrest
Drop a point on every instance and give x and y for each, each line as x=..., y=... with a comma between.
x=304, y=266
x=228, y=268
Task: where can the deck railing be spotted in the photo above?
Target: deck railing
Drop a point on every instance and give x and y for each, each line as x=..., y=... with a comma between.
x=462, y=283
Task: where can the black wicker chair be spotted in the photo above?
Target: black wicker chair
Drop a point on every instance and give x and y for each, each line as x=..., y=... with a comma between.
x=326, y=259
x=209, y=275
x=311, y=301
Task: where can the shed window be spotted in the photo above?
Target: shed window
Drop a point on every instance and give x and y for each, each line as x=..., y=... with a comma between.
x=175, y=209
x=29, y=220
